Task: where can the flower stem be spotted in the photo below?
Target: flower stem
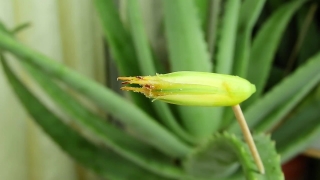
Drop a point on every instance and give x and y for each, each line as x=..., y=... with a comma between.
x=248, y=137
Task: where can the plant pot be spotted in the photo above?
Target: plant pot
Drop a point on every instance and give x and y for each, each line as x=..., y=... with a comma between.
x=296, y=169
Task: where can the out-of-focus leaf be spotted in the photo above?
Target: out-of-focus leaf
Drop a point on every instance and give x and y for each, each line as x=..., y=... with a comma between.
x=311, y=42
x=270, y=158
x=249, y=12
x=227, y=37
x=275, y=76
x=265, y=45
x=186, y=43
x=120, y=42
x=4, y=29
x=147, y=67
x=280, y=100
x=221, y=155
x=152, y=12
x=120, y=142
x=21, y=27
x=297, y=132
x=225, y=45
x=188, y=51
x=215, y=158
x=140, y=39
x=212, y=26
x=248, y=15
x=121, y=47
x=107, y=100
x=102, y=161
x=202, y=7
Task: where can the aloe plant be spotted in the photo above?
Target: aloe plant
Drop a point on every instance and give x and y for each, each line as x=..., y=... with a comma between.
x=161, y=141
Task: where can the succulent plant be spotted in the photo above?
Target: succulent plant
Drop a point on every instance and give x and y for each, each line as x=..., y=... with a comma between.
x=160, y=141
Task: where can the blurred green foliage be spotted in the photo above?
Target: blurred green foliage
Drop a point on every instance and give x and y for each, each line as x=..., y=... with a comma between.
x=273, y=44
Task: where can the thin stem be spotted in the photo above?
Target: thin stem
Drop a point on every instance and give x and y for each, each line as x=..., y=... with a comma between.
x=248, y=137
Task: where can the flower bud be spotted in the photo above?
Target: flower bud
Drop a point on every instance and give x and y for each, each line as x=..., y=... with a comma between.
x=192, y=88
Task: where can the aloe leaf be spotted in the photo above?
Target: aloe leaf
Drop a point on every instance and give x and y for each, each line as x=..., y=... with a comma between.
x=113, y=138
x=188, y=51
x=140, y=39
x=276, y=116
x=147, y=67
x=102, y=161
x=310, y=43
x=249, y=12
x=303, y=28
x=4, y=29
x=121, y=47
x=227, y=37
x=221, y=155
x=265, y=45
x=270, y=158
x=21, y=27
x=306, y=123
x=120, y=41
x=212, y=25
x=107, y=100
x=202, y=7
x=213, y=159
x=280, y=100
x=226, y=45
x=187, y=48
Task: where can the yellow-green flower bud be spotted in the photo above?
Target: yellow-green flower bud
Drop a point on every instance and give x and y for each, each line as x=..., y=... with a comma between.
x=192, y=88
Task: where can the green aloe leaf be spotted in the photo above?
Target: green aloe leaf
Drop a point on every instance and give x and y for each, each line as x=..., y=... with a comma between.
x=188, y=51
x=113, y=138
x=265, y=45
x=270, y=158
x=221, y=155
x=306, y=122
x=279, y=101
x=121, y=46
x=227, y=37
x=214, y=159
x=311, y=42
x=202, y=7
x=119, y=39
x=100, y=160
x=226, y=42
x=187, y=48
x=249, y=13
x=212, y=25
x=140, y=39
x=147, y=67
x=106, y=99
x=21, y=27
x=4, y=29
